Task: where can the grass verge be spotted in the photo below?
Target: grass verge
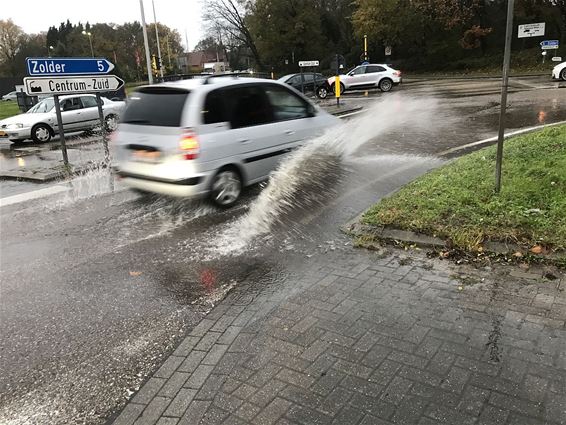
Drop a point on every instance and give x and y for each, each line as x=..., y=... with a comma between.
x=457, y=202
x=8, y=108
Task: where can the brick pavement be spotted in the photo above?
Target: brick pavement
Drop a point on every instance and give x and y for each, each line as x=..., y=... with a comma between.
x=355, y=337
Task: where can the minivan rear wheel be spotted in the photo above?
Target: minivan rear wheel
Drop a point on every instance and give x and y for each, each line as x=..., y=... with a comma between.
x=226, y=188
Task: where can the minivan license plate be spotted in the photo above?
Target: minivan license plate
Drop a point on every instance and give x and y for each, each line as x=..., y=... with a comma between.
x=146, y=156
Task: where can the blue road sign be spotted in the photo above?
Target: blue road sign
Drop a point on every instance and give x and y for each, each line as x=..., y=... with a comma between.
x=68, y=66
x=549, y=44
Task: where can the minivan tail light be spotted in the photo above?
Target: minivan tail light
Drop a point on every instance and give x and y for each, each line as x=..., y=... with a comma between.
x=189, y=145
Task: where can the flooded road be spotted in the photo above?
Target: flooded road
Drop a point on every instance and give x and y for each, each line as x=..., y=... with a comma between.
x=98, y=284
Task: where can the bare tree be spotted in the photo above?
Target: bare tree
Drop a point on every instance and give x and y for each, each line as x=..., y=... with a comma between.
x=228, y=19
x=11, y=37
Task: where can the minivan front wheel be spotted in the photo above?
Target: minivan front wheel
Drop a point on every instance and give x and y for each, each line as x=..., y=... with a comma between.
x=226, y=188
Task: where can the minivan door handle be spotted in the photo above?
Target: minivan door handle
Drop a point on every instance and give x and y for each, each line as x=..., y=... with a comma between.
x=244, y=141
x=289, y=132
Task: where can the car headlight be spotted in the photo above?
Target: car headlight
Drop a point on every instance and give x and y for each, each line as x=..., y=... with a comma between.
x=14, y=126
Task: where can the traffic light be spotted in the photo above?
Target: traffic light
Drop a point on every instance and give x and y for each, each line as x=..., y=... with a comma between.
x=153, y=63
x=158, y=62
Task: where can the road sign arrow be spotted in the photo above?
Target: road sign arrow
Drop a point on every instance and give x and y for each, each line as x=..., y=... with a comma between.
x=71, y=85
x=68, y=66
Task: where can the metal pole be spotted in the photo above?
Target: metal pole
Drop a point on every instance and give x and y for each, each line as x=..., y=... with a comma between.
x=103, y=128
x=302, y=81
x=61, y=132
x=337, y=82
x=146, y=44
x=504, y=86
x=91, y=49
x=157, y=38
x=365, y=47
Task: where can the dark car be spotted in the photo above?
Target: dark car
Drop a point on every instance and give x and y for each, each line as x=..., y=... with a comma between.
x=311, y=81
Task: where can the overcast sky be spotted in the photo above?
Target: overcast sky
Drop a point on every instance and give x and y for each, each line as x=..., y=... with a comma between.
x=35, y=16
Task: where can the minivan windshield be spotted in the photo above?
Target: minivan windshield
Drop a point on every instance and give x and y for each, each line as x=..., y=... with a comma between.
x=45, y=105
x=155, y=106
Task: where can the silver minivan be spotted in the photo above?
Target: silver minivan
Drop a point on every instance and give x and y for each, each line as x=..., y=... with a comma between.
x=211, y=136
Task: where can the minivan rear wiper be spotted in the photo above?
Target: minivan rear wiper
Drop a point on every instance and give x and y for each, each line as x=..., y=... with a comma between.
x=136, y=122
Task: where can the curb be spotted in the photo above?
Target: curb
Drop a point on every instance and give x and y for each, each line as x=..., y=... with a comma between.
x=467, y=77
x=48, y=175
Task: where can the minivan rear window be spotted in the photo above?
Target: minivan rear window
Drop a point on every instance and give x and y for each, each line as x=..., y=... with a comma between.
x=155, y=106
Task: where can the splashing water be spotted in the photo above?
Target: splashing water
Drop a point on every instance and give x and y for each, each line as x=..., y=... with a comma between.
x=304, y=177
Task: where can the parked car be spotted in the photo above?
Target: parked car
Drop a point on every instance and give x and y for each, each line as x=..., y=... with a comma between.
x=365, y=77
x=78, y=112
x=559, y=71
x=10, y=96
x=311, y=81
x=212, y=136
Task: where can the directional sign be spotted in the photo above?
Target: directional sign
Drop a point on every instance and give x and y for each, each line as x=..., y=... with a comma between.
x=71, y=85
x=557, y=59
x=549, y=44
x=68, y=66
x=308, y=63
x=387, y=50
x=531, y=30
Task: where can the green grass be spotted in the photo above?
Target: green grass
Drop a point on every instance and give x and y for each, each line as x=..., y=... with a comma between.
x=457, y=201
x=8, y=109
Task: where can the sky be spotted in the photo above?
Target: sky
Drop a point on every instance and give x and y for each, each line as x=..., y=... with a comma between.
x=35, y=16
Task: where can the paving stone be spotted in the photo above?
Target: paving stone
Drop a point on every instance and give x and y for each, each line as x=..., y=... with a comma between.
x=181, y=402
x=173, y=384
x=186, y=346
x=153, y=411
x=306, y=416
x=167, y=421
x=492, y=415
x=272, y=412
x=248, y=411
x=129, y=414
x=192, y=361
x=148, y=390
x=199, y=376
x=214, y=354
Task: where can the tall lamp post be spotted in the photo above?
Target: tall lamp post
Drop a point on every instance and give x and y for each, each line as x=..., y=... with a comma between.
x=146, y=45
x=157, y=38
x=90, y=40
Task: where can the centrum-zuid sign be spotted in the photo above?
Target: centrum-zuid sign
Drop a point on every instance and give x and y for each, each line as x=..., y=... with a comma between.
x=59, y=76
x=70, y=85
x=68, y=66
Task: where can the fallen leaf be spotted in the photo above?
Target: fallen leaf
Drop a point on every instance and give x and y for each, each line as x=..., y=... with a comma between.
x=135, y=273
x=537, y=249
x=460, y=288
x=518, y=254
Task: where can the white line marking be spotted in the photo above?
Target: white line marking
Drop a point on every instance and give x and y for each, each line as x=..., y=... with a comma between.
x=493, y=139
x=36, y=194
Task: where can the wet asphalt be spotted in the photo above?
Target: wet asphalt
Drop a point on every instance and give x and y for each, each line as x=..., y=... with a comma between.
x=98, y=284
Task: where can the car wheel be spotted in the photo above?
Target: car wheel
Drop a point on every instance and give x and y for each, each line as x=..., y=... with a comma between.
x=111, y=123
x=385, y=85
x=563, y=74
x=226, y=188
x=41, y=133
x=322, y=92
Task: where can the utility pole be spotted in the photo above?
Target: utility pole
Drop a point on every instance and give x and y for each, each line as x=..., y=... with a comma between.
x=504, y=86
x=157, y=38
x=365, y=48
x=146, y=44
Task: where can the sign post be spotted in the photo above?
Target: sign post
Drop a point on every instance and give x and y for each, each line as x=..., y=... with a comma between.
x=305, y=64
x=61, y=132
x=61, y=76
x=504, y=85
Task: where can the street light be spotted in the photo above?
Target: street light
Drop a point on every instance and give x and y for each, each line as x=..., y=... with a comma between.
x=49, y=49
x=90, y=40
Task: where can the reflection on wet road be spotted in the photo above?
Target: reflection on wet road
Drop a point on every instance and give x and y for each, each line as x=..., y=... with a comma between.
x=99, y=283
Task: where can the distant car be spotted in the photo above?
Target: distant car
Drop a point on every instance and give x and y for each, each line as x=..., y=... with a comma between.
x=210, y=137
x=310, y=81
x=559, y=71
x=10, y=96
x=369, y=76
x=78, y=112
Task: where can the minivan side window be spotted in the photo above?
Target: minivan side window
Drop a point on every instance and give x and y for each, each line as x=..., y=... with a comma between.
x=215, y=108
x=248, y=106
x=155, y=106
x=286, y=105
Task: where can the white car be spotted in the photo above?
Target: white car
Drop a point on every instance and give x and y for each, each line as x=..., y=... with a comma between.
x=211, y=136
x=559, y=71
x=78, y=112
x=368, y=76
x=10, y=96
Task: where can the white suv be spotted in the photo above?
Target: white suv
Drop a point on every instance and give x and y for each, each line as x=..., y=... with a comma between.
x=369, y=76
x=211, y=136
